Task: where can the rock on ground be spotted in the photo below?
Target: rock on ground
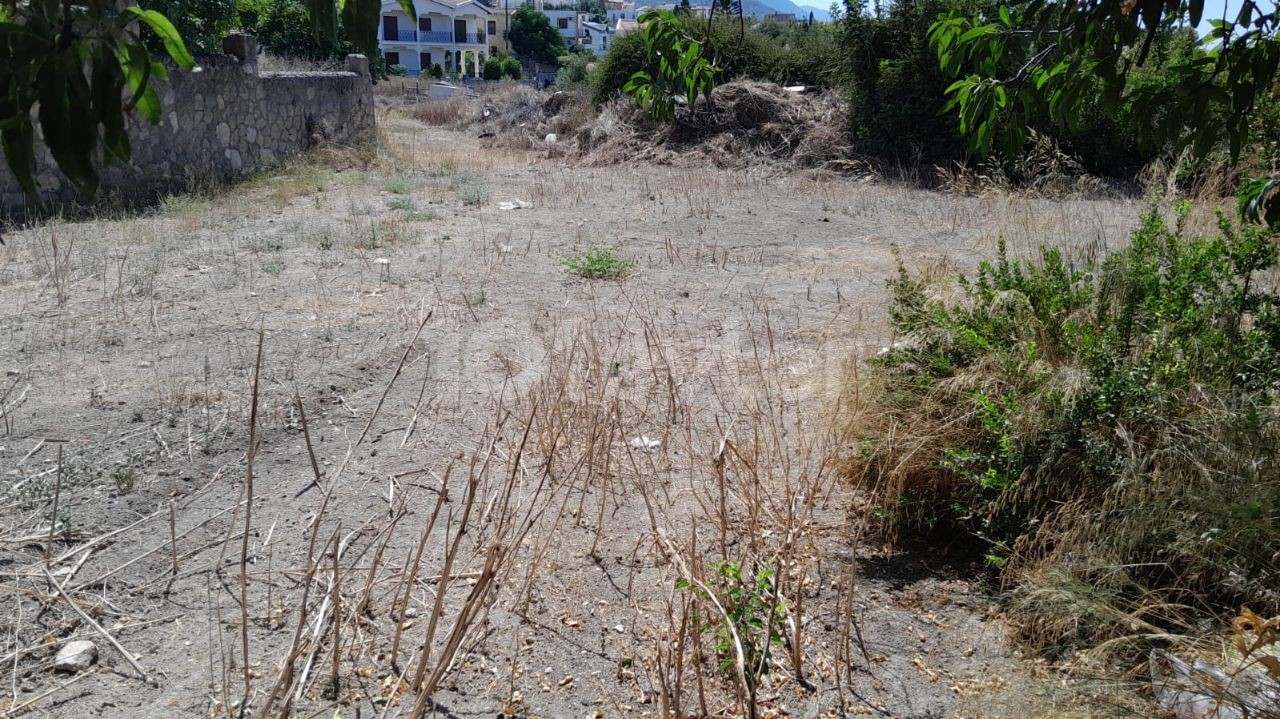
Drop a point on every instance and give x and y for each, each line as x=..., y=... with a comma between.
x=75, y=657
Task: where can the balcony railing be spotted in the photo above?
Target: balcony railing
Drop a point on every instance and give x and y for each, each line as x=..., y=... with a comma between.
x=402, y=36
x=437, y=36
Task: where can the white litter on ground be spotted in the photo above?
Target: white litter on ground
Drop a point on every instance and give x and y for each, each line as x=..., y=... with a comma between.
x=643, y=442
x=515, y=205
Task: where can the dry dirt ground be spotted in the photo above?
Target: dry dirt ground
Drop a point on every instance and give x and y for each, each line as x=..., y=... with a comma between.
x=515, y=463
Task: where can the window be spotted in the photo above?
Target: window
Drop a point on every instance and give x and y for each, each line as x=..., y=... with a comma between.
x=424, y=24
x=493, y=27
x=563, y=23
x=392, y=58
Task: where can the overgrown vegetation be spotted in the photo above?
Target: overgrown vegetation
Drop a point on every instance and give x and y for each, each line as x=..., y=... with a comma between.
x=1109, y=425
x=785, y=52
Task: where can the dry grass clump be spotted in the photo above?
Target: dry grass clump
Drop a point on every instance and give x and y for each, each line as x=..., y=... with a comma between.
x=449, y=112
x=1109, y=431
x=513, y=115
x=1041, y=169
x=745, y=123
x=267, y=62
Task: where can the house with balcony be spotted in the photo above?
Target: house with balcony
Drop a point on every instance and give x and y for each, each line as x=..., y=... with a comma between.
x=456, y=35
x=597, y=36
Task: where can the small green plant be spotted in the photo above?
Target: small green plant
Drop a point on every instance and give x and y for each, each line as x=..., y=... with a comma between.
x=266, y=244
x=325, y=240
x=471, y=188
x=124, y=480
x=598, y=262
x=399, y=186
x=744, y=615
x=421, y=216
x=403, y=204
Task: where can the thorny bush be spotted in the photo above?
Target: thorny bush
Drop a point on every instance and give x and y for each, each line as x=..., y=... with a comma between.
x=1115, y=421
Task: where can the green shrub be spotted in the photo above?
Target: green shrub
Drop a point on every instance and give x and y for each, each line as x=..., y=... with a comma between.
x=398, y=70
x=1114, y=422
x=598, y=262
x=436, y=71
x=626, y=56
x=573, y=69
x=785, y=53
x=511, y=67
x=492, y=69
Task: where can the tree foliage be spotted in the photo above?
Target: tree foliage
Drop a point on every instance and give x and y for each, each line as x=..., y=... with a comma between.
x=359, y=21
x=76, y=62
x=681, y=68
x=531, y=35
x=896, y=89
x=1017, y=60
x=284, y=28
x=626, y=55
x=201, y=23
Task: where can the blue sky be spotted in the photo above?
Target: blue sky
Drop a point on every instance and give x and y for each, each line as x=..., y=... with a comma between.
x=1216, y=10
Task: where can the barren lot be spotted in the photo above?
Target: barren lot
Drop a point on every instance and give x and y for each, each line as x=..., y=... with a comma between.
x=515, y=463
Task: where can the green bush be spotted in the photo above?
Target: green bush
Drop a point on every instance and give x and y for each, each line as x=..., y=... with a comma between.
x=398, y=70
x=785, y=53
x=511, y=67
x=573, y=69
x=436, y=71
x=626, y=56
x=492, y=69
x=1115, y=422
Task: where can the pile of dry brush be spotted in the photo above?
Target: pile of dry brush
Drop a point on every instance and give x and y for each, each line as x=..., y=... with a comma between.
x=745, y=123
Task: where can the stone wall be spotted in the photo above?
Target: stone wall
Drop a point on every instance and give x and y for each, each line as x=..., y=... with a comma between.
x=222, y=122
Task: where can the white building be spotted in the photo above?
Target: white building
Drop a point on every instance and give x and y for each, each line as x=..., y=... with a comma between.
x=457, y=35
x=620, y=10
x=597, y=36
x=567, y=20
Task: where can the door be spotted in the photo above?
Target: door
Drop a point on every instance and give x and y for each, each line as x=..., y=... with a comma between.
x=390, y=28
x=424, y=61
x=459, y=30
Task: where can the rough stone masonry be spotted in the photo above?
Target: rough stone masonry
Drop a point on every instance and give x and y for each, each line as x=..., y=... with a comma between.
x=222, y=122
